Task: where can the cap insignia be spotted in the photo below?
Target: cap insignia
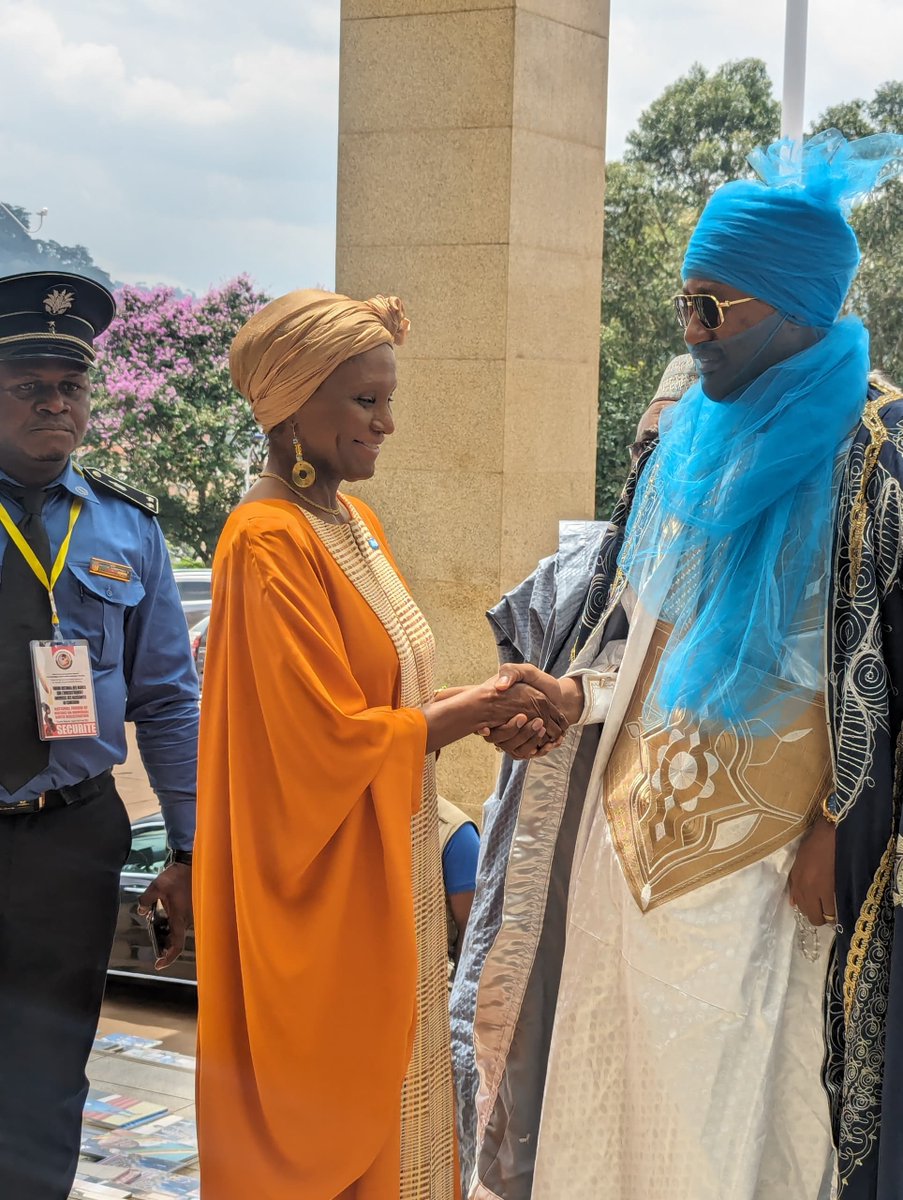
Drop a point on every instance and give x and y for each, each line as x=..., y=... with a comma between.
x=58, y=300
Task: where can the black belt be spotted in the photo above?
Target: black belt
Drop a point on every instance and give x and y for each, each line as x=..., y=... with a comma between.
x=58, y=797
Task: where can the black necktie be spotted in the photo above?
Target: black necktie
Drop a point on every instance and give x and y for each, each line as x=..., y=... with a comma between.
x=24, y=617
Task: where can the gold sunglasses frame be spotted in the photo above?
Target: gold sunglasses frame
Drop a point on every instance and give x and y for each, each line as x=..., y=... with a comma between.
x=719, y=304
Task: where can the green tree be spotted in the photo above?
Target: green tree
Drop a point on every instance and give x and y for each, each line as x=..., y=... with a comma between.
x=20, y=251
x=645, y=234
x=15, y=243
x=877, y=291
x=166, y=416
x=697, y=134
x=851, y=118
x=859, y=118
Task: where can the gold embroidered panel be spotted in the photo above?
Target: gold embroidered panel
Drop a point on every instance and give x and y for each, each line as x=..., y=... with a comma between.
x=686, y=805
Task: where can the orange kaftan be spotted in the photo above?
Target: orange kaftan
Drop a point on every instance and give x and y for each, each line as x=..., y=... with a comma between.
x=307, y=963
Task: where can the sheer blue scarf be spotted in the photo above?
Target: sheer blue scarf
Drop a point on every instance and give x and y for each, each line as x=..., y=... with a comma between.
x=730, y=536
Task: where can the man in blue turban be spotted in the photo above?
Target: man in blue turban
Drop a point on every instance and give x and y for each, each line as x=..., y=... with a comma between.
x=650, y=1016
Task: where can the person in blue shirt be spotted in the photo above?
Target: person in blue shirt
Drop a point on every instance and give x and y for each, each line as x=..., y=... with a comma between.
x=459, y=841
x=84, y=571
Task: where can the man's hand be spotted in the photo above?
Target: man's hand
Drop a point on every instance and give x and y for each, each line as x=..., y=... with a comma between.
x=812, y=876
x=521, y=737
x=511, y=674
x=504, y=704
x=172, y=888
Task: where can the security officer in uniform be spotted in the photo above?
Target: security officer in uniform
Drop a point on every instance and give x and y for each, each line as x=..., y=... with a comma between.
x=91, y=635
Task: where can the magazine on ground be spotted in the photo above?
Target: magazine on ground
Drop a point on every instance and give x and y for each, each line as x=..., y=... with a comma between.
x=174, y=1187
x=112, y=1111
x=160, y=1058
x=114, y=1043
x=174, y=1128
x=84, y=1189
x=172, y=1145
x=120, y=1172
x=151, y=1154
x=136, y=1185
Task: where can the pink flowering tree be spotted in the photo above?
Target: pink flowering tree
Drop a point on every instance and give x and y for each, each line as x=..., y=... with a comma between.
x=165, y=415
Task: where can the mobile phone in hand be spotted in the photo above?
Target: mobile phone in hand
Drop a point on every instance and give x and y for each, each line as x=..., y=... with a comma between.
x=158, y=931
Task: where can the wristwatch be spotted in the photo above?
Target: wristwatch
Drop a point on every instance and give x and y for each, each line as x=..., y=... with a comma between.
x=180, y=856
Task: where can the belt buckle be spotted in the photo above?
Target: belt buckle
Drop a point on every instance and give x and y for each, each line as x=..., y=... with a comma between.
x=25, y=806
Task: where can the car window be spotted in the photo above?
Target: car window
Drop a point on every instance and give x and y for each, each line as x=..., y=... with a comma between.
x=148, y=853
x=194, y=589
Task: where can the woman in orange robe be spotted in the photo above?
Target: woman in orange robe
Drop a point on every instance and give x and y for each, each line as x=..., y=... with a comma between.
x=324, y=1068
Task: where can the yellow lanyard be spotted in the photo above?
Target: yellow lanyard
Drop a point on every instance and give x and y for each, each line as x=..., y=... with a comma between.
x=35, y=563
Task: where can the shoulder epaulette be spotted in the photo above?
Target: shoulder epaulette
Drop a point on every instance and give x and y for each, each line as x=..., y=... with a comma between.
x=125, y=491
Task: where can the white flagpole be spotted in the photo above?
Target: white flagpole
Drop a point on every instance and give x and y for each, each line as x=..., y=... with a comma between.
x=794, y=69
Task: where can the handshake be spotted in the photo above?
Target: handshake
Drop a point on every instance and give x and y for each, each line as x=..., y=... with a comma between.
x=521, y=711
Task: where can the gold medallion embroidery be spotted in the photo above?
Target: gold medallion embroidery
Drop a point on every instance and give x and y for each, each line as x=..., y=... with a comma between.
x=686, y=805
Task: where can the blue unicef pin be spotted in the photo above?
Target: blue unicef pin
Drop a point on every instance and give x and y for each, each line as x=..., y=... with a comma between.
x=373, y=543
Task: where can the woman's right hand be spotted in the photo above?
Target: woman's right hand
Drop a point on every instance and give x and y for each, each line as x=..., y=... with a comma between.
x=487, y=706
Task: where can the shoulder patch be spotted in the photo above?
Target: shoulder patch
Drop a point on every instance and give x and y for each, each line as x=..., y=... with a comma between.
x=125, y=491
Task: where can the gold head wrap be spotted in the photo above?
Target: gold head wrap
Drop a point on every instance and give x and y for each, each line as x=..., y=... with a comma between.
x=283, y=354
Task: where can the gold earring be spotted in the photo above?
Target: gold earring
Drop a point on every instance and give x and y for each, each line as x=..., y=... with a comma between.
x=304, y=474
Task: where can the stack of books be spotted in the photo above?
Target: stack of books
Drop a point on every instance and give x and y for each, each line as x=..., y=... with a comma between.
x=134, y=1149
x=127, y=1045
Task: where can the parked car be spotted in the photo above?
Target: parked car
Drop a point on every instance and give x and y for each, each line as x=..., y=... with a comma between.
x=133, y=954
x=197, y=635
x=194, y=589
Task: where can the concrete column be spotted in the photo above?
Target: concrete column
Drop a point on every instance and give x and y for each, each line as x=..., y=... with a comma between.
x=471, y=162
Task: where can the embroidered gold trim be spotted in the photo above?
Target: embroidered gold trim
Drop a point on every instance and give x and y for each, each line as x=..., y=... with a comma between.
x=865, y=924
x=859, y=510
x=55, y=337
x=871, y=418
x=865, y=927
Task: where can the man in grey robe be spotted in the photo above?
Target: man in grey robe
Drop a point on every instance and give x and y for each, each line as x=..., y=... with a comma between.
x=539, y=622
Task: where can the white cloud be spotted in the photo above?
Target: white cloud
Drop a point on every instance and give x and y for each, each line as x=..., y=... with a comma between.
x=96, y=77
x=184, y=142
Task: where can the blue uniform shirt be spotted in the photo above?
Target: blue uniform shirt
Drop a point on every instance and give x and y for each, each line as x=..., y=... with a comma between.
x=138, y=638
x=459, y=860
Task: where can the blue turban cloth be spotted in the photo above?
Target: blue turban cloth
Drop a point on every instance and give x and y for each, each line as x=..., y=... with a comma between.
x=730, y=537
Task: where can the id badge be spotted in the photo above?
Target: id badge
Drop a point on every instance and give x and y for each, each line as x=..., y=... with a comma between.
x=64, y=690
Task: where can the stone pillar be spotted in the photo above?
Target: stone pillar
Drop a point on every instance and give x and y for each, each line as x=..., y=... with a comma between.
x=471, y=161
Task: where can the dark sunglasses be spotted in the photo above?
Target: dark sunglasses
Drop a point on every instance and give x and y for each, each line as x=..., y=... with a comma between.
x=709, y=309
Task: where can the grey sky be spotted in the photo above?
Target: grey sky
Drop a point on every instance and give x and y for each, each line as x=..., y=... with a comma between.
x=186, y=142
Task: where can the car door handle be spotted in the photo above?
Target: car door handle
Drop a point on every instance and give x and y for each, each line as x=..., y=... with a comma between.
x=135, y=889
